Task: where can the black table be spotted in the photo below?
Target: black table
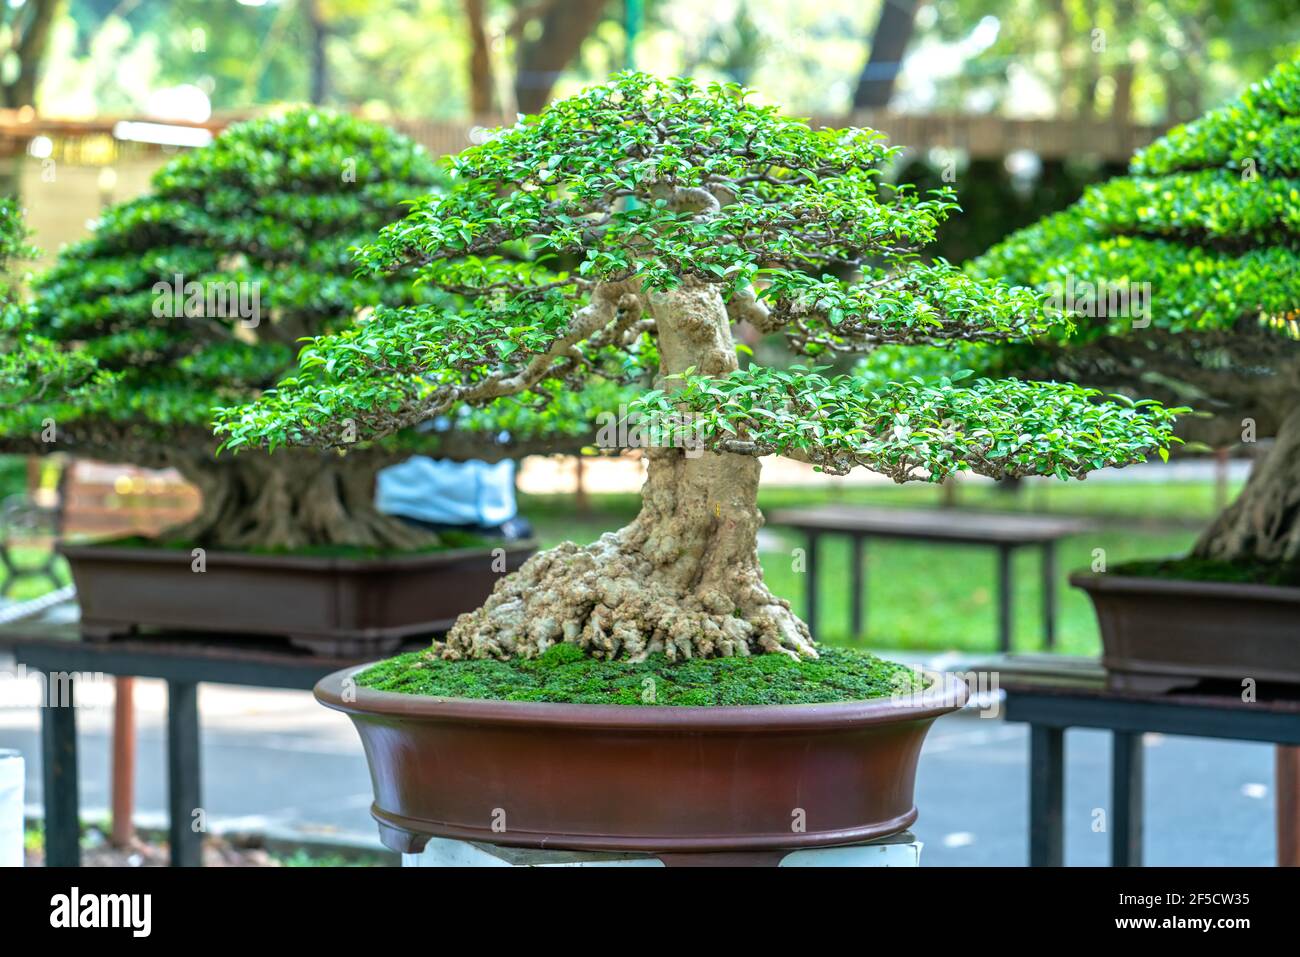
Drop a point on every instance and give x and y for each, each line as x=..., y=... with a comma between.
x=1052, y=694
x=183, y=661
x=1005, y=532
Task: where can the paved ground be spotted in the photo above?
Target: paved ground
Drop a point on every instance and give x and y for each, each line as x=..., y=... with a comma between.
x=276, y=760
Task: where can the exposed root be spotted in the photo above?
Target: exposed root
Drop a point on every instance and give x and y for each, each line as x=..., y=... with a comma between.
x=614, y=603
x=291, y=501
x=684, y=577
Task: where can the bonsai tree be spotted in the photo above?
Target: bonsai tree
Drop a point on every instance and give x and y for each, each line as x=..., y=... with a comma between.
x=683, y=210
x=1205, y=224
x=30, y=365
x=197, y=295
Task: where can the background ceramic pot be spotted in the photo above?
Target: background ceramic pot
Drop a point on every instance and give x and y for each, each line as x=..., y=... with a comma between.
x=1158, y=633
x=336, y=606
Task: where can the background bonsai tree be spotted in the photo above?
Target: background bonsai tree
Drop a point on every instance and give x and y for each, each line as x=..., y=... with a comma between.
x=197, y=295
x=686, y=210
x=30, y=365
x=1205, y=228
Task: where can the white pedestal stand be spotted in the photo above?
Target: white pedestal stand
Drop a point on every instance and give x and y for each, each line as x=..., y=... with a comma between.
x=11, y=809
x=901, y=850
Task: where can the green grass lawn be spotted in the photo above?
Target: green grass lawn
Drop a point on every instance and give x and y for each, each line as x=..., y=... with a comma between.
x=1121, y=502
x=942, y=597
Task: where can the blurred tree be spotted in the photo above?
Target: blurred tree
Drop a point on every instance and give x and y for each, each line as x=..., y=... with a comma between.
x=733, y=49
x=453, y=58
x=482, y=83
x=548, y=35
x=26, y=34
x=893, y=32
x=323, y=19
x=1155, y=60
x=315, y=16
x=259, y=225
x=1182, y=281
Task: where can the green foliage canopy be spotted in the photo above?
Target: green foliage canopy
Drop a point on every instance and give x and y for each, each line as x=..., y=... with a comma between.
x=196, y=293
x=1207, y=219
x=30, y=364
x=560, y=230
x=1209, y=215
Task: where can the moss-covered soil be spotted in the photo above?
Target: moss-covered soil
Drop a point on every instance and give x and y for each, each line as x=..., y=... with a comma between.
x=447, y=541
x=1208, y=570
x=566, y=674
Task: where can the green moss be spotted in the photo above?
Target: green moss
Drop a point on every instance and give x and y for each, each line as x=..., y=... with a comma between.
x=447, y=541
x=1212, y=570
x=566, y=674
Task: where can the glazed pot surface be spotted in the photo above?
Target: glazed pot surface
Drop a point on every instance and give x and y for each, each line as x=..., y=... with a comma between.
x=336, y=606
x=639, y=778
x=1159, y=634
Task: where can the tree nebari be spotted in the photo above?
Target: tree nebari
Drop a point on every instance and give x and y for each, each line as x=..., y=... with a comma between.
x=291, y=501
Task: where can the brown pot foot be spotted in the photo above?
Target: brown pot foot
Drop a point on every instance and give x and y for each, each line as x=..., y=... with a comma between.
x=401, y=840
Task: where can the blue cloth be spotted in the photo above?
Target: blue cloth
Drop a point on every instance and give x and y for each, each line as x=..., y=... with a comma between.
x=448, y=493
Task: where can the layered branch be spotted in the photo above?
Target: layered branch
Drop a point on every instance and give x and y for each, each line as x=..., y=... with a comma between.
x=196, y=294
x=33, y=367
x=919, y=305
x=1184, y=276
x=912, y=429
x=403, y=367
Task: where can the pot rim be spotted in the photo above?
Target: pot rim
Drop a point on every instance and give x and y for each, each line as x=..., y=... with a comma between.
x=143, y=554
x=943, y=697
x=1145, y=584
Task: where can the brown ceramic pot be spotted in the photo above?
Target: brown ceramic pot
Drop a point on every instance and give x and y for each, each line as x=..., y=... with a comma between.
x=1158, y=634
x=633, y=778
x=340, y=606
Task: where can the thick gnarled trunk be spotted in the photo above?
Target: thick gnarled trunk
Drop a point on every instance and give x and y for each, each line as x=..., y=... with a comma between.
x=291, y=500
x=683, y=578
x=1263, y=524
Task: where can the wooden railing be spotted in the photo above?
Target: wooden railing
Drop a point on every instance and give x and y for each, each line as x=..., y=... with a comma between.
x=982, y=136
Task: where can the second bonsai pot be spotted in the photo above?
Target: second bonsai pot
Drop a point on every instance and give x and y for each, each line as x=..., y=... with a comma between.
x=661, y=779
x=1159, y=634
x=340, y=606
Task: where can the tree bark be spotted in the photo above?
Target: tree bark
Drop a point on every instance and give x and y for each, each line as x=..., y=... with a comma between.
x=1090, y=74
x=888, y=44
x=1122, y=103
x=290, y=500
x=29, y=46
x=481, y=84
x=319, y=34
x=1069, y=61
x=1263, y=524
x=565, y=25
x=684, y=577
